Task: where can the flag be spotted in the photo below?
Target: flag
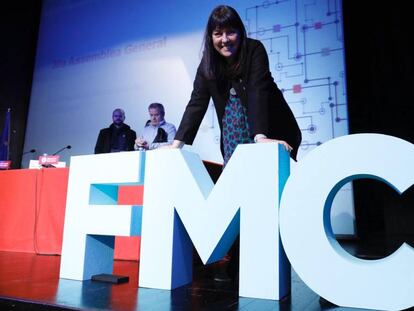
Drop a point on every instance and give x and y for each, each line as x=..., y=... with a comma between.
x=5, y=138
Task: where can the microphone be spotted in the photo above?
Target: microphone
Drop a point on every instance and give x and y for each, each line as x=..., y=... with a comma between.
x=30, y=151
x=61, y=149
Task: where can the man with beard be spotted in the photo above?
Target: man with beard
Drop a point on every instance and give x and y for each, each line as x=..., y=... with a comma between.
x=117, y=137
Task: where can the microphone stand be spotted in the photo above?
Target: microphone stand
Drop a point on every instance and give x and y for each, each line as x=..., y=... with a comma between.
x=61, y=149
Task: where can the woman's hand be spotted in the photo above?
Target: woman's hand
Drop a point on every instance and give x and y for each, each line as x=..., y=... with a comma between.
x=176, y=144
x=282, y=142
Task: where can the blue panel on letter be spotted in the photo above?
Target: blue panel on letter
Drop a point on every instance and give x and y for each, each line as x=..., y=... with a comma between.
x=226, y=240
x=99, y=255
x=284, y=168
x=182, y=257
x=136, y=220
x=103, y=194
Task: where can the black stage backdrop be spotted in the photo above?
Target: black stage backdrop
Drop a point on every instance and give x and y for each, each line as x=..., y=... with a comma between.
x=379, y=84
x=19, y=24
x=379, y=66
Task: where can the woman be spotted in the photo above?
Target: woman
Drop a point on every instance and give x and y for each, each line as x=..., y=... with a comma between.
x=234, y=71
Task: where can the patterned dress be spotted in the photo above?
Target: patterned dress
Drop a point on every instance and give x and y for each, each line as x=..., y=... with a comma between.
x=235, y=126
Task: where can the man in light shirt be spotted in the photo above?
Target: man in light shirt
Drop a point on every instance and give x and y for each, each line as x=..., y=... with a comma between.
x=157, y=132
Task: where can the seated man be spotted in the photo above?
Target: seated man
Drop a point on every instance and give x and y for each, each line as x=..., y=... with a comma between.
x=117, y=137
x=157, y=132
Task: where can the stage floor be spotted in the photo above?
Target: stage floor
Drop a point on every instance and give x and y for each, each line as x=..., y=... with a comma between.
x=31, y=282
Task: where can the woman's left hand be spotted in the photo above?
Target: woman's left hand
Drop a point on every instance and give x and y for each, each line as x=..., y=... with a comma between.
x=269, y=140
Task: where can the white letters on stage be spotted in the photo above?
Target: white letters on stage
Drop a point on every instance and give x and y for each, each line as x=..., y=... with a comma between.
x=182, y=207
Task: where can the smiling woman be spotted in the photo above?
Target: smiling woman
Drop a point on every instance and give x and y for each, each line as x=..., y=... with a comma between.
x=234, y=72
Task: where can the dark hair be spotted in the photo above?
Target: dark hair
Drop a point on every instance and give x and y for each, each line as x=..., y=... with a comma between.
x=214, y=65
x=158, y=106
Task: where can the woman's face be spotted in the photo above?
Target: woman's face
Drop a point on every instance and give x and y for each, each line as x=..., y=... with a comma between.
x=226, y=41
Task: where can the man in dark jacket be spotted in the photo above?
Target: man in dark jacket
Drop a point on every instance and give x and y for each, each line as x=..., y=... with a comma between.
x=117, y=137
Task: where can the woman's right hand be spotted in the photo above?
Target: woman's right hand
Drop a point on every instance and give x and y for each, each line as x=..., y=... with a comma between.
x=281, y=142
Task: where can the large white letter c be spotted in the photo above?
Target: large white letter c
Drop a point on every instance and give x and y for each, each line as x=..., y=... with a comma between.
x=319, y=260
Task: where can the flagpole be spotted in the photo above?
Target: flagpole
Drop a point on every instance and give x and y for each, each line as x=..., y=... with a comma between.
x=8, y=138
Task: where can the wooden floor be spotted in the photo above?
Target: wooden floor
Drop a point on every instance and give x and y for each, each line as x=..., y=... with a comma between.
x=31, y=282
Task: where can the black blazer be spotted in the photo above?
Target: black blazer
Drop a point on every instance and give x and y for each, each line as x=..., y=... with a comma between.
x=267, y=111
x=103, y=143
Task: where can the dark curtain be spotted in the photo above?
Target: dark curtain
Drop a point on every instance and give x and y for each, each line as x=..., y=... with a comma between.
x=19, y=23
x=379, y=65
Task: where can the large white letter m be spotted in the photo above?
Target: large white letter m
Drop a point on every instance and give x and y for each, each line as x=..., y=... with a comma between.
x=182, y=205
